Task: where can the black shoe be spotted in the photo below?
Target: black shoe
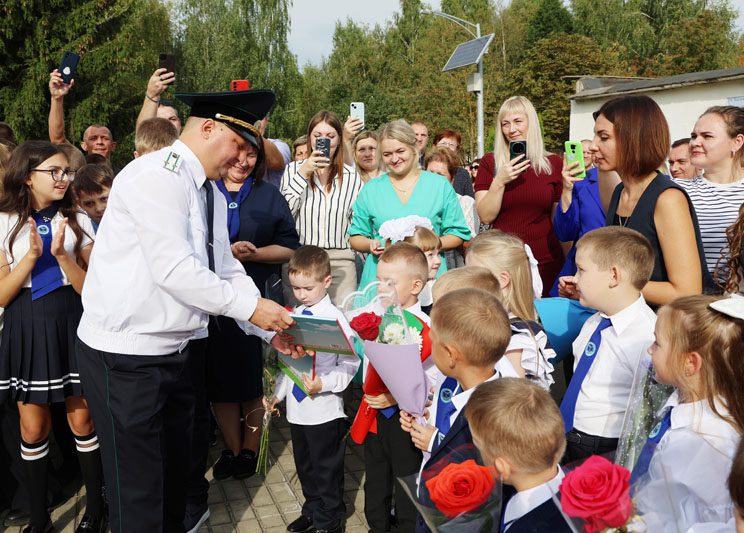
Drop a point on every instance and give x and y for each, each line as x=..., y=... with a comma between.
x=301, y=525
x=338, y=528
x=225, y=465
x=17, y=517
x=91, y=524
x=245, y=464
x=195, y=517
x=48, y=528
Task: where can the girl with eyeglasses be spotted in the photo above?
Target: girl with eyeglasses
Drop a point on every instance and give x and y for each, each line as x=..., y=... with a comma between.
x=46, y=245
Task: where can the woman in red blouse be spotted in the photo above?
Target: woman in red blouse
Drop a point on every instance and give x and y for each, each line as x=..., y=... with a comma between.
x=520, y=196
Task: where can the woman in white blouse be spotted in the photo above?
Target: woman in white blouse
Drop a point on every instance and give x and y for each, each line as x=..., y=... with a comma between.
x=46, y=243
x=320, y=192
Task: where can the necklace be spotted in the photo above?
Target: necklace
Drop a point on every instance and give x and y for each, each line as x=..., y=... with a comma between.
x=408, y=190
x=622, y=222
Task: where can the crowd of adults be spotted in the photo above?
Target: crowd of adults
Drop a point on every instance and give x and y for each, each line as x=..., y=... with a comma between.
x=279, y=198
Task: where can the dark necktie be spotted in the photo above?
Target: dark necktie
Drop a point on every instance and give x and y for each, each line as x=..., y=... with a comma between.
x=644, y=459
x=297, y=392
x=568, y=405
x=207, y=186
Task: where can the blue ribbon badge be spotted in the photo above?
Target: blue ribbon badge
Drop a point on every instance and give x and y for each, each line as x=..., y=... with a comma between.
x=43, y=229
x=591, y=348
x=232, y=205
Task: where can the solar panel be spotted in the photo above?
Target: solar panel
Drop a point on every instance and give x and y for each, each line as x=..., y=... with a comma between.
x=468, y=53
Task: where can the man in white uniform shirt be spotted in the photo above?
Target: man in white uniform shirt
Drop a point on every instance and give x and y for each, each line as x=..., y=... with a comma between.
x=159, y=269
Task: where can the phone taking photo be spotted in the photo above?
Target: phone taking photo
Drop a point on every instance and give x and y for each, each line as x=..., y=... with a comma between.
x=356, y=110
x=168, y=62
x=575, y=152
x=68, y=65
x=240, y=85
x=517, y=148
x=323, y=144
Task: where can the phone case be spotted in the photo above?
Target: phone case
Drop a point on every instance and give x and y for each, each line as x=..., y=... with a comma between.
x=356, y=110
x=168, y=62
x=324, y=145
x=68, y=65
x=575, y=152
x=517, y=148
x=239, y=85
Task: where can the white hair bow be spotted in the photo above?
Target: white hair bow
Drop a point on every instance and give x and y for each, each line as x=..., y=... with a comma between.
x=397, y=229
x=732, y=306
x=537, y=284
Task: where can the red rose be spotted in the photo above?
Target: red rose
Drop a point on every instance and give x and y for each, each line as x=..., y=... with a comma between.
x=367, y=325
x=460, y=488
x=598, y=492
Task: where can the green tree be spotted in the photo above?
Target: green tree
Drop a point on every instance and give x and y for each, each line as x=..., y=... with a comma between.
x=551, y=18
x=219, y=41
x=546, y=77
x=118, y=41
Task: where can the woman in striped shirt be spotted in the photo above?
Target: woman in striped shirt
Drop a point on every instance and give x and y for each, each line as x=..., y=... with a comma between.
x=320, y=192
x=717, y=147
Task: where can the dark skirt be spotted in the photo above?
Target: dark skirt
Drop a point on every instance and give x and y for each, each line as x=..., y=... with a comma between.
x=234, y=363
x=38, y=358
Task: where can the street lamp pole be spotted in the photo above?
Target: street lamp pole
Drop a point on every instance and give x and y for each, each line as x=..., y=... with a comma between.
x=468, y=27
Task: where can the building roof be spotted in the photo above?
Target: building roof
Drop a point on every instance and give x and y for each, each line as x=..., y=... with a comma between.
x=601, y=86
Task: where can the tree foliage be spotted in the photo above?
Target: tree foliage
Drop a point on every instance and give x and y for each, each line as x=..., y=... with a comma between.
x=551, y=18
x=118, y=41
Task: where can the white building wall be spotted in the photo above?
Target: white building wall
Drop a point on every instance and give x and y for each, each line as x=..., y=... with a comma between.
x=681, y=105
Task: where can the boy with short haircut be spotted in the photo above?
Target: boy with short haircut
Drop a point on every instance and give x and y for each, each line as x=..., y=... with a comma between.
x=468, y=277
x=613, y=265
x=469, y=334
x=389, y=453
x=153, y=134
x=317, y=422
x=92, y=186
x=518, y=429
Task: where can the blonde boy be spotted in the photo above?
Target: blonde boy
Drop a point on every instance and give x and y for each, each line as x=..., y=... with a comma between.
x=613, y=265
x=518, y=429
x=153, y=134
x=317, y=422
x=389, y=453
x=469, y=277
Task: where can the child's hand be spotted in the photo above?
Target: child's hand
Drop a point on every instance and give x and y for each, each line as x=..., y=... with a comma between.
x=35, y=245
x=406, y=421
x=421, y=435
x=269, y=405
x=567, y=287
x=58, y=240
x=313, y=386
x=382, y=401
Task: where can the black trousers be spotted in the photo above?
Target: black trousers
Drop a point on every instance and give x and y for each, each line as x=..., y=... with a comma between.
x=319, y=459
x=143, y=409
x=388, y=455
x=198, y=488
x=580, y=445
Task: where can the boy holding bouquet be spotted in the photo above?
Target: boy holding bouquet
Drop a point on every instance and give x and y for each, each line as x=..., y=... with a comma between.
x=317, y=421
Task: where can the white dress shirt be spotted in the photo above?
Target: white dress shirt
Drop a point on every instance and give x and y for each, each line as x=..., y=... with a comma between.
x=149, y=289
x=335, y=371
x=528, y=500
x=685, y=488
x=322, y=218
x=21, y=245
x=604, y=394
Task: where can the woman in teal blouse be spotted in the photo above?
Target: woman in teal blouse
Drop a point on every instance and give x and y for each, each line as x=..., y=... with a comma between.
x=404, y=190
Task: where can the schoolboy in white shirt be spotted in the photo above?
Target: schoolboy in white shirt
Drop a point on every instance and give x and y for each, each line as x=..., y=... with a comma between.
x=613, y=265
x=317, y=423
x=518, y=429
x=390, y=453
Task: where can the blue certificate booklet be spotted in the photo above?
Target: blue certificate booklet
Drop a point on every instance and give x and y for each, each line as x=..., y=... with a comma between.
x=320, y=334
x=295, y=368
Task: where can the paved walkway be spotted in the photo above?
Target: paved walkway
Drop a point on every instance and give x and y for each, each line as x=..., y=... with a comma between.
x=257, y=503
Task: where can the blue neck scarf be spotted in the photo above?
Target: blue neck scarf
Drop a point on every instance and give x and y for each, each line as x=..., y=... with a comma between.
x=233, y=206
x=46, y=275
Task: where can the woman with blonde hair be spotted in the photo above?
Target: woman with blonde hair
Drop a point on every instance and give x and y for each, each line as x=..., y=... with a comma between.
x=519, y=195
x=405, y=189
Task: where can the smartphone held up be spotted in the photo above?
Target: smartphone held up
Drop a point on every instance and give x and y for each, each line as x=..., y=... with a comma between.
x=575, y=153
x=323, y=144
x=68, y=65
